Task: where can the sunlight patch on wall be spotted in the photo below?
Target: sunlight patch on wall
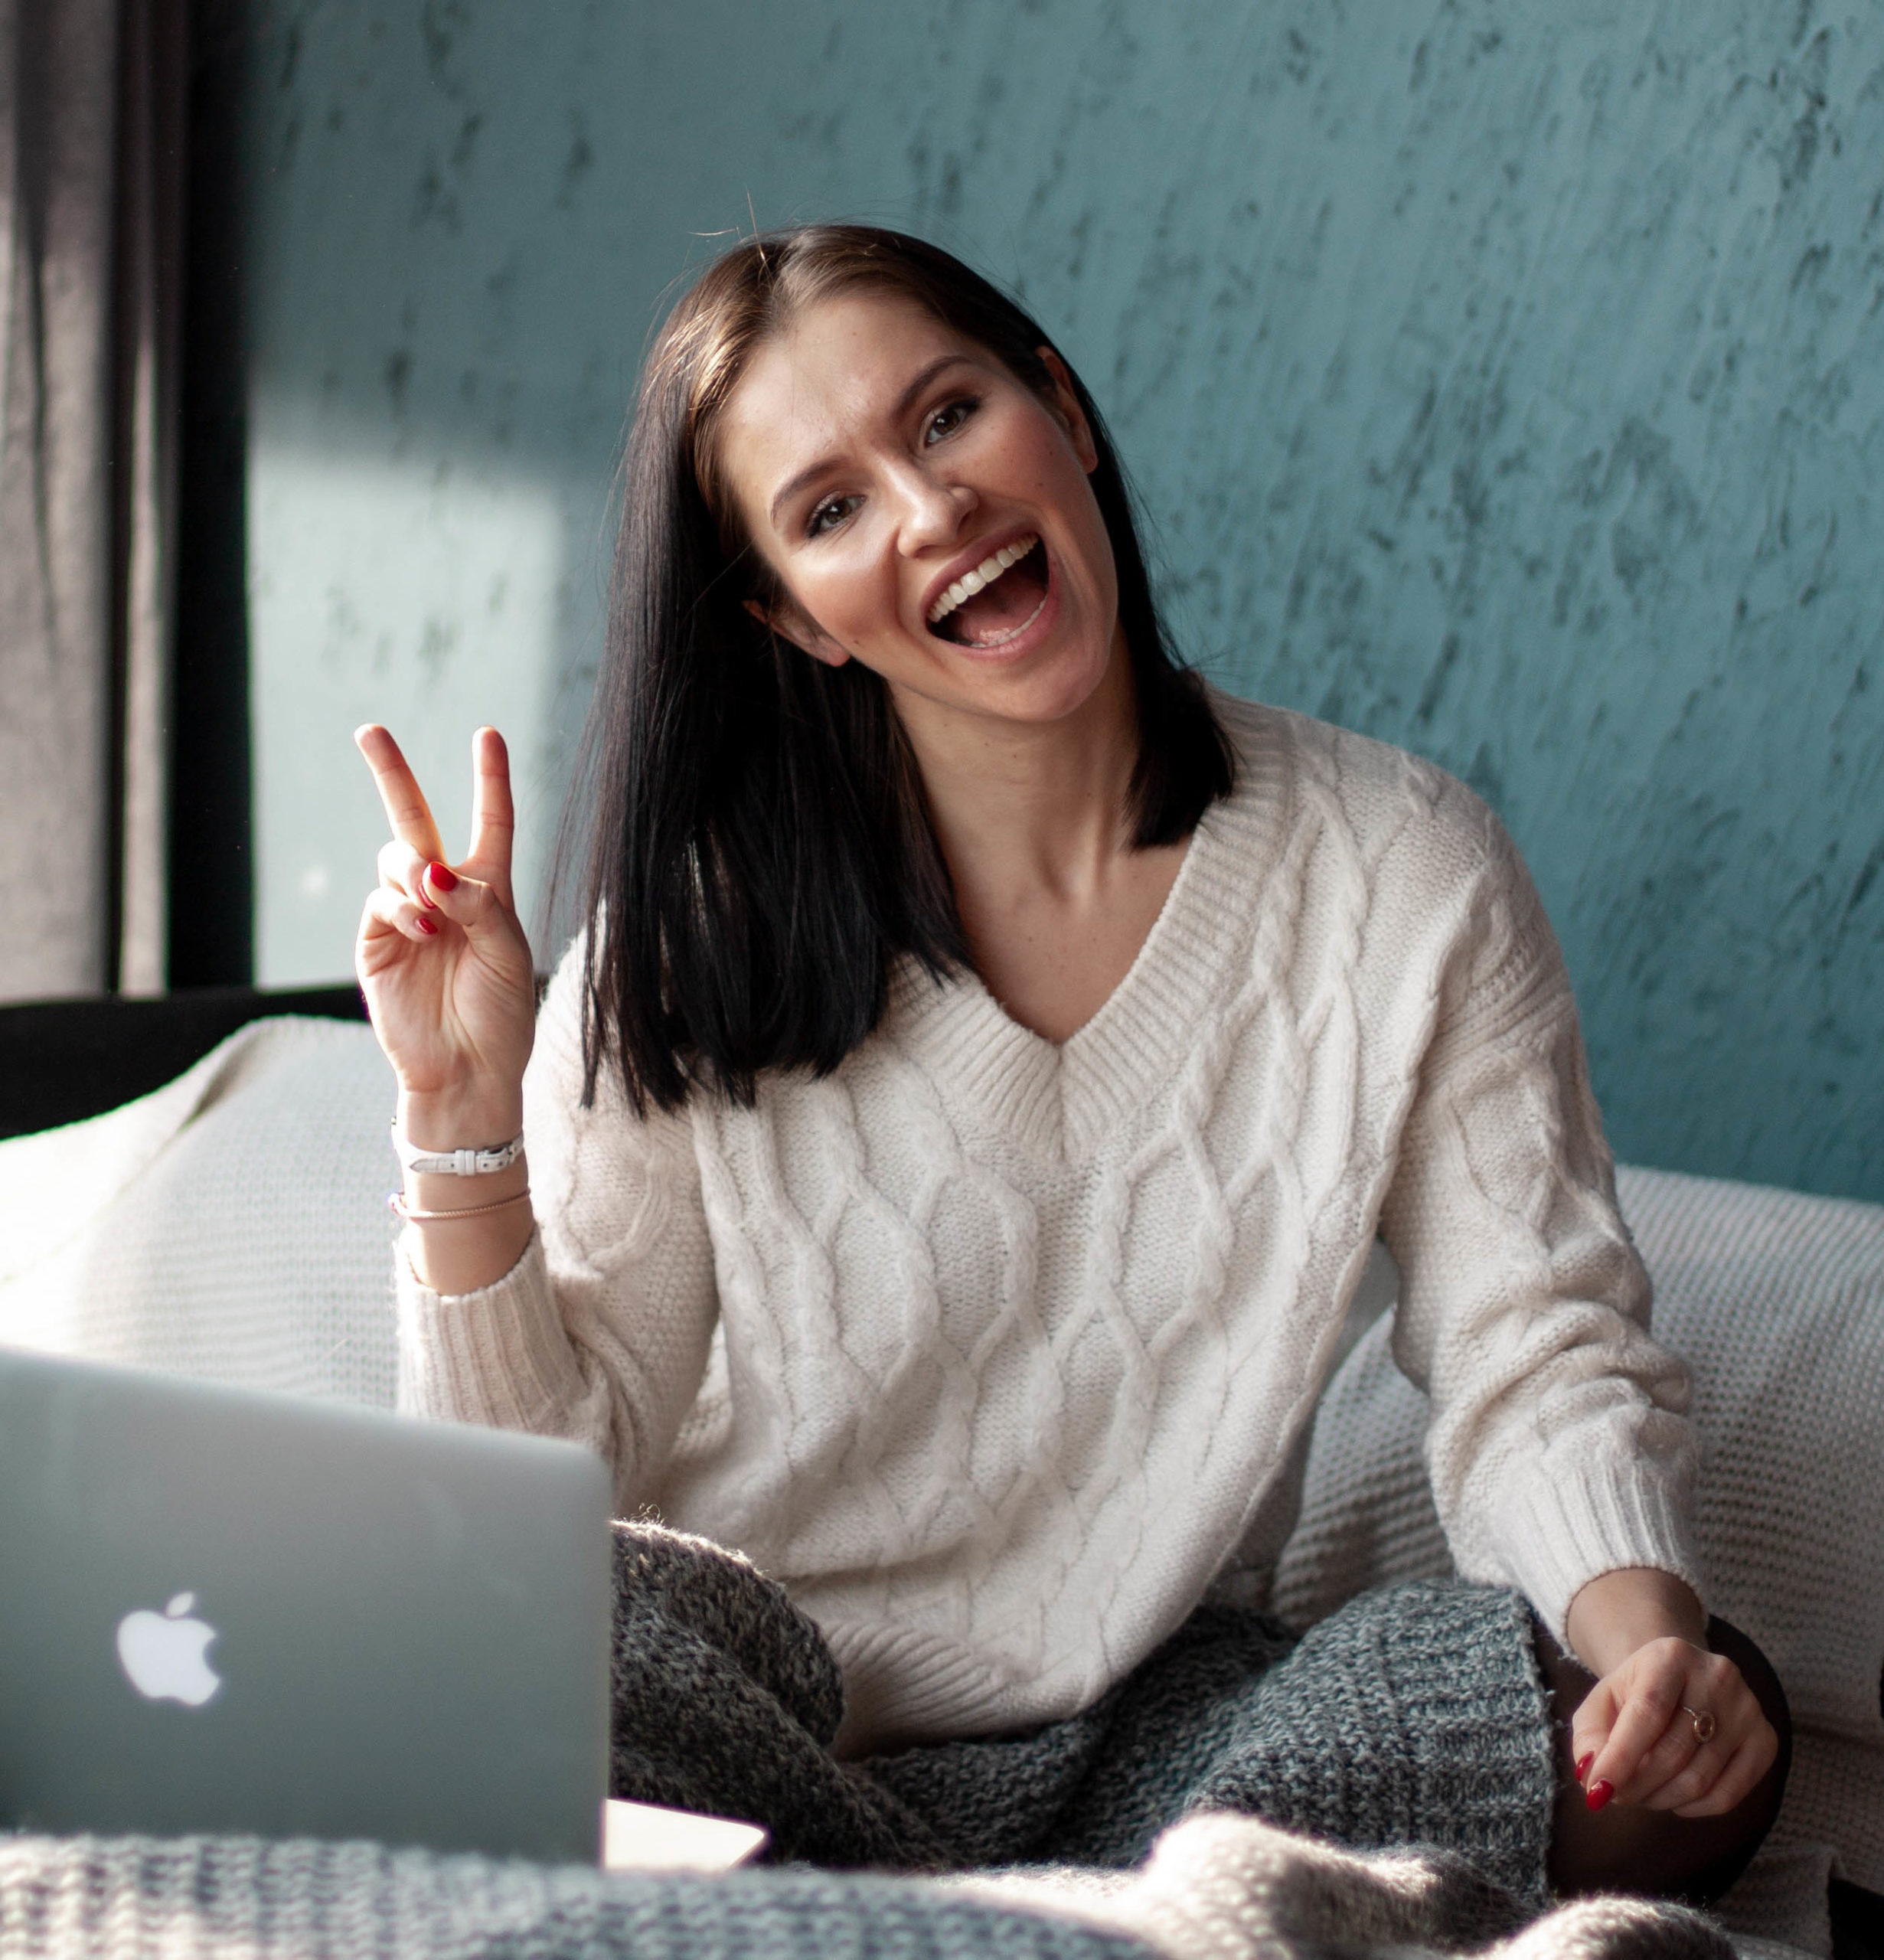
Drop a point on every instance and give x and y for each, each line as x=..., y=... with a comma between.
x=430, y=595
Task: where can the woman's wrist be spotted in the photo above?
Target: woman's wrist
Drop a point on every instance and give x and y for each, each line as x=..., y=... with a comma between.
x=477, y=1115
x=442, y=1191
x=466, y=1255
x=1620, y=1612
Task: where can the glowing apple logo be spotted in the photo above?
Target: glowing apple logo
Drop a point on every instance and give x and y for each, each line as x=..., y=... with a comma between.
x=163, y=1653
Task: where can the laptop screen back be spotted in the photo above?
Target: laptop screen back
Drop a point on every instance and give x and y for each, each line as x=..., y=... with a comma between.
x=224, y=1611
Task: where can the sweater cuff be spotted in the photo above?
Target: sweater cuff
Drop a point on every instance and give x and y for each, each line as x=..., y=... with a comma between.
x=1555, y=1535
x=498, y=1356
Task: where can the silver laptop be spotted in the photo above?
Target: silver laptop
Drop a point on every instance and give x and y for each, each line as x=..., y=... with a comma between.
x=232, y=1611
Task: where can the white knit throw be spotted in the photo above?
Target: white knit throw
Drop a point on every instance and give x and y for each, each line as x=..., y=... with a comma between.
x=1215, y=1888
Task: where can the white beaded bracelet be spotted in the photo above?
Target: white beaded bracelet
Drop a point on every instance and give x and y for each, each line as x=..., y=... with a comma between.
x=468, y=1162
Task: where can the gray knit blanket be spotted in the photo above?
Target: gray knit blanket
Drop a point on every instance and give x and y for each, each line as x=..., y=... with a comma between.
x=1242, y=1795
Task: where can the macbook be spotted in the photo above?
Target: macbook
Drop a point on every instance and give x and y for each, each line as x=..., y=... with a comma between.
x=227, y=1611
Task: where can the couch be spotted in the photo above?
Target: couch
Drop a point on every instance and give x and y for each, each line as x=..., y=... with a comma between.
x=199, y=1183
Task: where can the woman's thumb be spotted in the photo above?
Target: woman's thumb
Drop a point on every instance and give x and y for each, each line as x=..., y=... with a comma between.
x=468, y=903
x=471, y=905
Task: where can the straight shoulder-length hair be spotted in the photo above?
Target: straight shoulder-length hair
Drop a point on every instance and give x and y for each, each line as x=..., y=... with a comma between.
x=760, y=848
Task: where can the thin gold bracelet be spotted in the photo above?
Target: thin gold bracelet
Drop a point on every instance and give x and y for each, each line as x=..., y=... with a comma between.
x=397, y=1202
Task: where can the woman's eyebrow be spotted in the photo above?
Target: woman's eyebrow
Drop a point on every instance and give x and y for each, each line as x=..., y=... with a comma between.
x=811, y=471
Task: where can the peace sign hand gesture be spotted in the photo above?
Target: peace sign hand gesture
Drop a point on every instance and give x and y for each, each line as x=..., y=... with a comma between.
x=442, y=958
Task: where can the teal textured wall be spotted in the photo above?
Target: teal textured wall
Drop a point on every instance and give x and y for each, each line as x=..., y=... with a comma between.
x=1507, y=381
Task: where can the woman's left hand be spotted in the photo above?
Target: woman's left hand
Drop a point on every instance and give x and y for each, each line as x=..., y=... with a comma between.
x=1671, y=1726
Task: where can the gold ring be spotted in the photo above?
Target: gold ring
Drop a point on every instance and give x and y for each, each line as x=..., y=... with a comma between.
x=1704, y=1724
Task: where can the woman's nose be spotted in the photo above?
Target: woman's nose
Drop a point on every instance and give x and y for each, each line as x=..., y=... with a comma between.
x=934, y=510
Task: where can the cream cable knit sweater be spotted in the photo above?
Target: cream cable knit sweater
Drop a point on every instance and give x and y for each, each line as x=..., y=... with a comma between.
x=999, y=1354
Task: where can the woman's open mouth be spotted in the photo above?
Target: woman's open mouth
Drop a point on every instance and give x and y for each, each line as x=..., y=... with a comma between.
x=998, y=601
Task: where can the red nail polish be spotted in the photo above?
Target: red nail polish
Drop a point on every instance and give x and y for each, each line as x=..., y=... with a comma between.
x=1600, y=1793
x=1582, y=1768
x=446, y=880
x=426, y=926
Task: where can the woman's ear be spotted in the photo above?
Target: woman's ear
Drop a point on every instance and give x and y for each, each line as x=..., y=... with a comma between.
x=1065, y=405
x=803, y=633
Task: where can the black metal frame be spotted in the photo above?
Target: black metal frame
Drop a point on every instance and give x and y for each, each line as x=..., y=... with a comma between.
x=211, y=876
x=61, y=1060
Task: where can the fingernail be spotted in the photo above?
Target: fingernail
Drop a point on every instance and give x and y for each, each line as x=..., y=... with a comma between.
x=446, y=880
x=426, y=926
x=1582, y=1768
x=1600, y=1793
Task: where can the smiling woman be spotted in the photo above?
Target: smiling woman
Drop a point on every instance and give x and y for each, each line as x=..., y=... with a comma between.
x=835, y=433
x=944, y=536
x=962, y=1127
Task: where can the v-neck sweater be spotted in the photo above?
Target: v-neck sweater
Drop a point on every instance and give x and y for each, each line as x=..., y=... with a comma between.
x=1001, y=1354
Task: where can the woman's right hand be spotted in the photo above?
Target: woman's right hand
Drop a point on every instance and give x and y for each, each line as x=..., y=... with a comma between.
x=442, y=958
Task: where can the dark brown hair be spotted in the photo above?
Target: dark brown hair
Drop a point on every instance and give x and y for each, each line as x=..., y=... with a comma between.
x=762, y=848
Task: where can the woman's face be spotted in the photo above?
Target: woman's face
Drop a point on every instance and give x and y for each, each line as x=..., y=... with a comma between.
x=926, y=513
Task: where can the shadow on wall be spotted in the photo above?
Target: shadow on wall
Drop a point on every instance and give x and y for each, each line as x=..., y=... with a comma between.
x=1505, y=383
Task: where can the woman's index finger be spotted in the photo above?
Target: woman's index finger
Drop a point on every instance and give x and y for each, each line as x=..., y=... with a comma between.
x=406, y=810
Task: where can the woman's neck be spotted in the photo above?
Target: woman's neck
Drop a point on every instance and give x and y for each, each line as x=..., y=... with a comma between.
x=1042, y=804
x=1036, y=825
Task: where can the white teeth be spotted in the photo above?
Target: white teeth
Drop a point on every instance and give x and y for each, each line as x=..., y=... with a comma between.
x=984, y=575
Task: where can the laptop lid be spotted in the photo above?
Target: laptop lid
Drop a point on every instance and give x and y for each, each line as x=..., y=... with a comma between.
x=228, y=1611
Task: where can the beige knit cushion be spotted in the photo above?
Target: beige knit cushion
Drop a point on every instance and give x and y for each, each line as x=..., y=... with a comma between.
x=1777, y=1301
x=231, y=1225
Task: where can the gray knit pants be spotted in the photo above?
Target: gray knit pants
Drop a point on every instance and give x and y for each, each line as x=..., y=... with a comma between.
x=1415, y=1716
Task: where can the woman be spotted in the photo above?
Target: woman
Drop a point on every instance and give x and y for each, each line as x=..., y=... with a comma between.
x=958, y=1135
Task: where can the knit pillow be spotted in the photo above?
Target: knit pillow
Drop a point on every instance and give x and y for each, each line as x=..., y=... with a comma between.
x=231, y=1225
x=1777, y=1301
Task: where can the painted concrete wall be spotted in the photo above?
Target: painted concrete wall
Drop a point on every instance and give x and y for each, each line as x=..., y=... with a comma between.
x=1506, y=380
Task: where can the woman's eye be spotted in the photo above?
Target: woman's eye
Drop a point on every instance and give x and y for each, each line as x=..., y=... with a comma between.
x=946, y=421
x=828, y=515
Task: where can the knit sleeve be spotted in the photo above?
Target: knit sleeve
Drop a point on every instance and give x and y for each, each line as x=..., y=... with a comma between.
x=1558, y=1448
x=599, y=1333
